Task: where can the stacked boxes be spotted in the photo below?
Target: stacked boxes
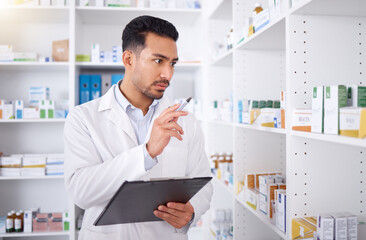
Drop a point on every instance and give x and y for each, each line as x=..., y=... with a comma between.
x=33, y=165
x=10, y=166
x=55, y=164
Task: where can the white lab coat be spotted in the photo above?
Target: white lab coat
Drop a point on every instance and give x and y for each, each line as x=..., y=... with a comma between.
x=101, y=152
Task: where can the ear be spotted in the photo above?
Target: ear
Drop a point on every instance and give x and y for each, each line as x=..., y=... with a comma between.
x=128, y=58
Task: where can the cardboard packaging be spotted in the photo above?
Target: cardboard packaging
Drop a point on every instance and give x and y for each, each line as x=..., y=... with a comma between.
x=317, y=119
x=351, y=226
x=95, y=54
x=340, y=224
x=251, y=198
x=34, y=171
x=8, y=110
x=357, y=96
x=301, y=120
x=263, y=183
x=40, y=222
x=18, y=109
x=10, y=162
x=302, y=229
x=38, y=93
x=27, y=221
x=55, y=222
x=260, y=20
x=60, y=50
x=271, y=197
x=353, y=122
x=31, y=113
x=10, y=172
x=325, y=227
x=34, y=161
x=335, y=97
x=281, y=201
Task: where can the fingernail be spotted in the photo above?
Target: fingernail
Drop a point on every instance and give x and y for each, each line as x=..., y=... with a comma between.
x=160, y=207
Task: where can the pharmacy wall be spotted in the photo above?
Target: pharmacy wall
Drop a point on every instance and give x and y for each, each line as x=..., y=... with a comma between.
x=278, y=88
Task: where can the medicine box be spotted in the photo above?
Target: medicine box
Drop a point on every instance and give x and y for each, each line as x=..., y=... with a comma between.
x=351, y=226
x=263, y=183
x=27, y=221
x=267, y=117
x=263, y=203
x=340, y=226
x=36, y=161
x=10, y=172
x=270, y=198
x=31, y=113
x=2, y=102
x=10, y=162
x=260, y=20
x=38, y=93
x=55, y=158
x=56, y=169
x=8, y=111
x=119, y=3
x=251, y=198
x=317, y=104
x=3, y=224
x=335, y=97
x=33, y=171
x=55, y=222
x=249, y=181
x=301, y=120
x=40, y=222
x=95, y=55
x=24, y=57
x=358, y=95
x=325, y=227
x=302, y=229
x=18, y=109
x=257, y=175
x=353, y=122
x=281, y=201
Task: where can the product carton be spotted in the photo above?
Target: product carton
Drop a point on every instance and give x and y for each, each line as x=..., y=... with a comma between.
x=10, y=162
x=335, y=98
x=351, y=226
x=340, y=223
x=281, y=201
x=325, y=226
x=27, y=221
x=260, y=20
x=263, y=183
x=302, y=229
x=60, y=50
x=317, y=119
x=251, y=198
x=263, y=203
x=271, y=197
x=301, y=120
x=353, y=122
x=357, y=96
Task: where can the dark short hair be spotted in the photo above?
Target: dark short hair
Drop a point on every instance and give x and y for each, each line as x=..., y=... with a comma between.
x=133, y=36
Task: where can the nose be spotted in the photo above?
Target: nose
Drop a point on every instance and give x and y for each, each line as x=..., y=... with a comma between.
x=167, y=72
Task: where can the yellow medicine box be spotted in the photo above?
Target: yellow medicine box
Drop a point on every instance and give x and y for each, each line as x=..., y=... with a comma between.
x=302, y=229
x=353, y=122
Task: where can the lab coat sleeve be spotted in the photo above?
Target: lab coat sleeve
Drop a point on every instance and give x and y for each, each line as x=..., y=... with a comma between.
x=89, y=180
x=199, y=167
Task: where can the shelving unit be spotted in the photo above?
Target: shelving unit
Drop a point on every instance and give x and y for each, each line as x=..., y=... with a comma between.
x=32, y=29
x=292, y=53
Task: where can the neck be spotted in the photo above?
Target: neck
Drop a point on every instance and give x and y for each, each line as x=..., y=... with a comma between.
x=134, y=96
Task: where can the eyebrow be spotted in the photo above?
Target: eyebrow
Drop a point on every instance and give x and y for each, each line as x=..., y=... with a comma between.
x=162, y=56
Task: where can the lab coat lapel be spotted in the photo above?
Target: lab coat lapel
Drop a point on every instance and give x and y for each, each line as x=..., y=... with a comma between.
x=117, y=115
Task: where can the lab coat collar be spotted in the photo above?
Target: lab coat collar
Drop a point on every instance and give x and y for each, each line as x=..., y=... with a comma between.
x=120, y=118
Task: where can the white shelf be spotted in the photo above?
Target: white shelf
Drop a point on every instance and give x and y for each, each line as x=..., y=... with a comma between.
x=271, y=37
x=223, y=185
x=225, y=60
x=120, y=66
x=262, y=217
x=229, y=124
x=34, y=234
x=356, y=142
x=223, y=10
x=34, y=65
x=351, y=8
x=33, y=177
x=118, y=15
x=33, y=121
x=264, y=129
x=34, y=14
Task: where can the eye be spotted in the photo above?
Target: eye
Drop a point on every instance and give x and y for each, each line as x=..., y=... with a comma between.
x=173, y=64
x=158, y=60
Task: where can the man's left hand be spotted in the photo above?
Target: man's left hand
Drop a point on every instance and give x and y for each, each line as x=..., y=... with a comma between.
x=176, y=214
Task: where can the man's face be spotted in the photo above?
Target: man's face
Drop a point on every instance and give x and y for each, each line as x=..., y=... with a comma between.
x=154, y=66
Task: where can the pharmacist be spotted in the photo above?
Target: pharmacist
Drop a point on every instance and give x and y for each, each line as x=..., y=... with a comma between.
x=128, y=134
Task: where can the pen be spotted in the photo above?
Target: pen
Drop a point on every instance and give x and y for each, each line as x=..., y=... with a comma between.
x=183, y=104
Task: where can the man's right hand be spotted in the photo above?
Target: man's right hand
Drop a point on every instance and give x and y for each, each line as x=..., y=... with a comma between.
x=165, y=127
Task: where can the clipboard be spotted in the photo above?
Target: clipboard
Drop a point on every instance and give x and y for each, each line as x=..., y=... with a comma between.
x=136, y=201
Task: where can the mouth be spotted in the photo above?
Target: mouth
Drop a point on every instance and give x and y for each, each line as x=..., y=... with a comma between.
x=161, y=86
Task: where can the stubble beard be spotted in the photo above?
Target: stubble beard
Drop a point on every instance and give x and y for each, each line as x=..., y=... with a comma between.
x=148, y=92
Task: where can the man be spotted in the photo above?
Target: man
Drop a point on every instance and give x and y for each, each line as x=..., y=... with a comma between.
x=134, y=133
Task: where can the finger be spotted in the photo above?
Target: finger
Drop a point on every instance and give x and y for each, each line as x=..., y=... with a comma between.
x=171, y=115
x=172, y=220
x=171, y=211
x=170, y=109
x=174, y=125
x=175, y=134
x=178, y=206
